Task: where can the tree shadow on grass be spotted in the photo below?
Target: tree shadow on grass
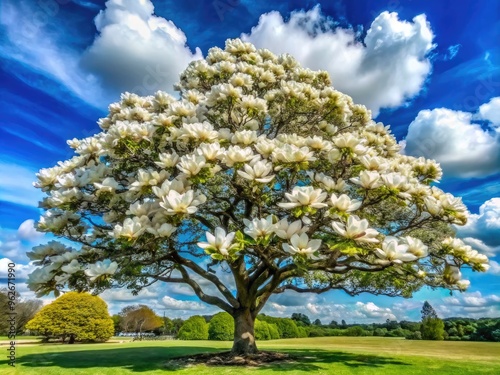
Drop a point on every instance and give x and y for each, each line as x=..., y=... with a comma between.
x=137, y=359
x=141, y=359
x=315, y=359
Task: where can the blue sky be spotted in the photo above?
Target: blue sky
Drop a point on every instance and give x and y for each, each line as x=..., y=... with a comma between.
x=431, y=70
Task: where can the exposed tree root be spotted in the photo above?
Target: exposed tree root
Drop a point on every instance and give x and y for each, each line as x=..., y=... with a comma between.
x=230, y=359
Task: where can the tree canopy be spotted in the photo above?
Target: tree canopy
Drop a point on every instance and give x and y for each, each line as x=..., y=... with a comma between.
x=79, y=316
x=261, y=166
x=428, y=311
x=221, y=327
x=139, y=318
x=195, y=328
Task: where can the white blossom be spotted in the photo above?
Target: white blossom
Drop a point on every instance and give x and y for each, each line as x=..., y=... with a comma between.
x=132, y=228
x=259, y=227
x=167, y=160
x=301, y=245
x=210, y=151
x=394, y=252
x=236, y=154
x=72, y=267
x=221, y=242
x=292, y=154
x=344, y=203
x=191, y=165
x=108, y=185
x=286, y=230
x=100, y=268
x=162, y=230
x=367, y=179
x=186, y=203
x=416, y=247
x=356, y=229
x=257, y=171
x=304, y=196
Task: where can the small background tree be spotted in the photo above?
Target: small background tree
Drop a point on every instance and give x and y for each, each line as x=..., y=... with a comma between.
x=428, y=311
x=221, y=327
x=301, y=318
x=139, y=318
x=25, y=310
x=432, y=327
x=77, y=316
x=262, y=330
x=195, y=328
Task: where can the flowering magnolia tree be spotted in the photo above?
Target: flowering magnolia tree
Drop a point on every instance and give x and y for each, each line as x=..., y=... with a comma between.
x=261, y=170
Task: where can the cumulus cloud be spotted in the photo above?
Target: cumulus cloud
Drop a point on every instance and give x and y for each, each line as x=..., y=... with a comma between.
x=175, y=304
x=494, y=268
x=462, y=147
x=22, y=270
x=124, y=295
x=484, y=226
x=491, y=111
x=388, y=68
x=14, y=243
x=27, y=231
x=321, y=307
x=370, y=310
x=472, y=305
x=136, y=50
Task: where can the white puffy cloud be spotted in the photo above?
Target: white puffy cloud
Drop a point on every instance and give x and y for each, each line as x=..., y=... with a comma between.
x=484, y=226
x=450, y=137
x=27, y=231
x=21, y=270
x=494, y=268
x=15, y=243
x=491, y=111
x=374, y=312
x=136, y=50
x=114, y=296
x=471, y=304
x=10, y=247
x=322, y=307
x=479, y=245
x=175, y=304
x=388, y=68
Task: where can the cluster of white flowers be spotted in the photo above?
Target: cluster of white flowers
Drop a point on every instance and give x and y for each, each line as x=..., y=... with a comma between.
x=251, y=124
x=398, y=251
x=458, y=249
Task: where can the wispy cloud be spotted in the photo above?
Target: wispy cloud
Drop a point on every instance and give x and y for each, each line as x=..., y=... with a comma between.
x=17, y=185
x=33, y=44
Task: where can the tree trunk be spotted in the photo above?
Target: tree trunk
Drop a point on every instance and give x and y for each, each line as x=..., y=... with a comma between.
x=71, y=339
x=244, y=336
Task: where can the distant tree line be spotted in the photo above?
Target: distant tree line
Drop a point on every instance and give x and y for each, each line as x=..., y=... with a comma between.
x=220, y=327
x=141, y=319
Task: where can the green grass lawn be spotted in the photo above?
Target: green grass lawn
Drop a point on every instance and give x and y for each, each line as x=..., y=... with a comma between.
x=19, y=338
x=328, y=355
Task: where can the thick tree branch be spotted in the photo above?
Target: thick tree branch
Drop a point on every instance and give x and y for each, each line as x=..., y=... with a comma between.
x=208, y=276
x=212, y=300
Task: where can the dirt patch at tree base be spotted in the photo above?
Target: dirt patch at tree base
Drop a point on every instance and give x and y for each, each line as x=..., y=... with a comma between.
x=228, y=359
